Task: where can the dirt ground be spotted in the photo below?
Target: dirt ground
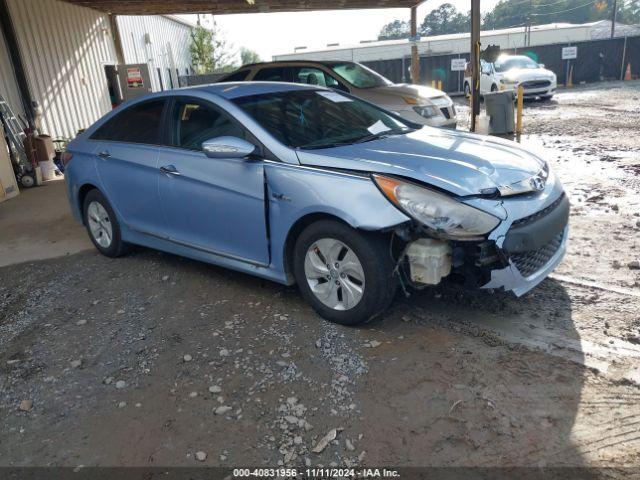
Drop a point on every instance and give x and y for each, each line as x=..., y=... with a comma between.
x=149, y=359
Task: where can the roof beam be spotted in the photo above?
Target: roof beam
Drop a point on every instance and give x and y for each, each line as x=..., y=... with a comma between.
x=218, y=7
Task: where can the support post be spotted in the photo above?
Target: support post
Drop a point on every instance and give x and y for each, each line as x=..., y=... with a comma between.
x=475, y=62
x=415, y=60
x=519, y=104
x=115, y=35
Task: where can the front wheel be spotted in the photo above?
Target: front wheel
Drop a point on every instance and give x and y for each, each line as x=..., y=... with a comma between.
x=346, y=275
x=467, y=90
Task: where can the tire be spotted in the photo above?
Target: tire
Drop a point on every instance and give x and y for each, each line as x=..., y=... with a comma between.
x=467, y=90
x=349, y=249
x=494, y=88
x=27, y=180
x=546, y=98
x=115, y=247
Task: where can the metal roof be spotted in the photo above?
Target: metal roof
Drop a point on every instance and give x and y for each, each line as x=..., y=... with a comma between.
x=163, y=7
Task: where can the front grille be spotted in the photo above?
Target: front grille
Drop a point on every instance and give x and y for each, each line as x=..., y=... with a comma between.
x=530, y=262
x=536, y=84
x=545, y=211
x=445, y=112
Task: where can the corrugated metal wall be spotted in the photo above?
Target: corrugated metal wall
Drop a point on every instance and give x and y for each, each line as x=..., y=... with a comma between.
x=160, y=42
x=64, y=49
x=8, y=85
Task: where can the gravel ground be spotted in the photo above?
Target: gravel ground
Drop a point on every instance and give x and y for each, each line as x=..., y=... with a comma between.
x=155, y=360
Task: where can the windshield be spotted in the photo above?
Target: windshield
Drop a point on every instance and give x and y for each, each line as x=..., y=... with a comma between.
x=359, y=76
x=504, y=64
x=319, y=118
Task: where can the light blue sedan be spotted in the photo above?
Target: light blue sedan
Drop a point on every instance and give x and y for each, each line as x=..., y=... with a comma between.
x=305, y=185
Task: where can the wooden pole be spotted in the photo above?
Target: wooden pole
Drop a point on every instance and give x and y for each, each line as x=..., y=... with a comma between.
x=415, y=60
x=475, y=62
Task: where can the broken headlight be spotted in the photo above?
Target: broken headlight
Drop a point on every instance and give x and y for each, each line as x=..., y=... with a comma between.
x=437, y=211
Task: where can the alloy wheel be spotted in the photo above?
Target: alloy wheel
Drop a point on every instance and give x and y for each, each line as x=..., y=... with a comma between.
x=99, y=224
x=334, y=274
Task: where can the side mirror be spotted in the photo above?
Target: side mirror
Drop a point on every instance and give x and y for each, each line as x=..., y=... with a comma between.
x=227, y=147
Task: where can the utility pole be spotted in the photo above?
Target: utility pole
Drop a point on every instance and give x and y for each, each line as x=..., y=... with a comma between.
x=475, y=62
x=527, y=27
x=614, y=14
x=415, y=60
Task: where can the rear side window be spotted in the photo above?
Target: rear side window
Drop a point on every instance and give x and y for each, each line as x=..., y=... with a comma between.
x=137, y=124
x=195, y=123
x=239, y=76
x=274, y=74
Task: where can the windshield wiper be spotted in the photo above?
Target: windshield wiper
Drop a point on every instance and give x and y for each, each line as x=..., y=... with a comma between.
x=379, y=135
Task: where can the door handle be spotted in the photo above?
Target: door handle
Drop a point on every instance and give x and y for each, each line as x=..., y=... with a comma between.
x=104, y=154
x=169, y=170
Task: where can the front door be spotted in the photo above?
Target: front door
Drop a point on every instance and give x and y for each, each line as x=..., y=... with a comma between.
x=214, y=205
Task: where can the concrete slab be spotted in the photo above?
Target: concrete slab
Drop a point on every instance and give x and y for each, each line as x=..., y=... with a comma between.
x=37, y=225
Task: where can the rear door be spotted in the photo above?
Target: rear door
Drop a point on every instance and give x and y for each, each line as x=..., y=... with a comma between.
x=126, y=150
x=213, y=205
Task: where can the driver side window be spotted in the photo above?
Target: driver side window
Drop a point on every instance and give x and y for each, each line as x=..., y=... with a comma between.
x=196, y=122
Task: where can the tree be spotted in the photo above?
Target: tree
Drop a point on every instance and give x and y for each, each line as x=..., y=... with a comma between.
x=248, y=56
x=515, y=13
x=210, y=51
x=395, y=30
x=444, y=20
x=201, y=50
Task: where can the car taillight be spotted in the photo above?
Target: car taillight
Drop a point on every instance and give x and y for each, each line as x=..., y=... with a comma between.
x=66, y=157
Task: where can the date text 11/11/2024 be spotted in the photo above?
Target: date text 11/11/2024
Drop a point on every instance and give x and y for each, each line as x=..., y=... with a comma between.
x=315, y=473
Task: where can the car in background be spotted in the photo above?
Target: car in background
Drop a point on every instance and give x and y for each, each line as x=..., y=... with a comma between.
x=416, y=103
x=303, y=184
x=509, y=72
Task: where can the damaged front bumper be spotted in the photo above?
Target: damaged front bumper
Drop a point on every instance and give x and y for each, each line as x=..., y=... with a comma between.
x=532, y=244
x=511, y=278
x=517, y=255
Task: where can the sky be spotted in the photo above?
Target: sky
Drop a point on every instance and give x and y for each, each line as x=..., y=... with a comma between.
x=270, y=34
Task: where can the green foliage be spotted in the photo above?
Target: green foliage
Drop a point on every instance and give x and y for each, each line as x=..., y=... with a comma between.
x=444, y=20
x=515, y=13
x=248, y=56
x=395, y=30
x=210, y=51
x=201, y=50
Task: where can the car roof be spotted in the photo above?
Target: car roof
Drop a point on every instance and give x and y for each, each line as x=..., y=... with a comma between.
x=289, y=62
x=231, y=90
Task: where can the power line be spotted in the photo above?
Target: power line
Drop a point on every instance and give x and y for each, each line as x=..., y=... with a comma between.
x=564, y=11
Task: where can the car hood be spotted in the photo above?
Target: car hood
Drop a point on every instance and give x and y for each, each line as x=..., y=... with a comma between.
x=525, y=74
x=392, y=94
x=461, y=163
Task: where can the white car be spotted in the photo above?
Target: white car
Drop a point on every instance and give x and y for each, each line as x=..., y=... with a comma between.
x=508, y=72
x=416, y=103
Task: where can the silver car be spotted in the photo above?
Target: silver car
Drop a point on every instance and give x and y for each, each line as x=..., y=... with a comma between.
x=416, y=103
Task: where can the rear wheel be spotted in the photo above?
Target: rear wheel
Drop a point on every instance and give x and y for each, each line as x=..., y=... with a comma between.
x=494, y=88
x=102, y=225
x=346, y=275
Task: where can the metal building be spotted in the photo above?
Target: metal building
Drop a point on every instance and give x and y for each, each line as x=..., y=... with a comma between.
x=66, y=52
x=458, y=43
